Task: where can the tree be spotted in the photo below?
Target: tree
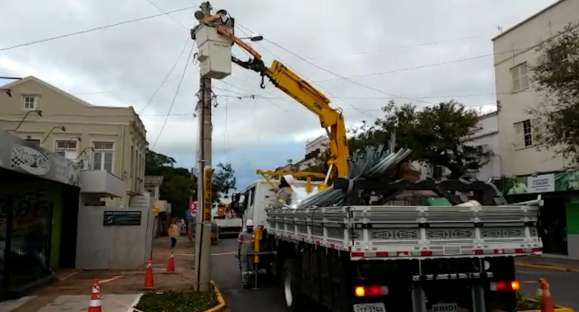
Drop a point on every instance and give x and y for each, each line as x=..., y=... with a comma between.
x=436, y=135
x=556, y=120
x=178, y=183
x=223, y=180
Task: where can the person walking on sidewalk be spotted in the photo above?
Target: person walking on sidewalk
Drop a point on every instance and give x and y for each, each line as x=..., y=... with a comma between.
x=173, y=232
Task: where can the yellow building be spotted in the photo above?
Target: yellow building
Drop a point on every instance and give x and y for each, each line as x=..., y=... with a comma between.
x=108, y=143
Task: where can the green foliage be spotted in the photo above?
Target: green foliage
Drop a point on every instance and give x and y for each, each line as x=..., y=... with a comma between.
x=556, y=76
x=223, y=180
x=177, y=301
x=178, y=183
x=435, y=134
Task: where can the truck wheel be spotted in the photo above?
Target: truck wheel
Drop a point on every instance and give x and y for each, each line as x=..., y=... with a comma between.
x=292, y=296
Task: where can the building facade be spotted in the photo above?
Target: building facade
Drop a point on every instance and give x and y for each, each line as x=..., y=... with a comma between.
x=115, y=221
x=486, y=136
x=528, y=170
x=39, y=196
x=98, y=138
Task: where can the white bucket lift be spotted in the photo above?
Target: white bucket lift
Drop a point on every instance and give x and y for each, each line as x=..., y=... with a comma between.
x=214, y=54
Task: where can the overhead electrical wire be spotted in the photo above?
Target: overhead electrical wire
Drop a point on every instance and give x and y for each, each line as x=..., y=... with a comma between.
x=166, y=77
x=174, y=97
x=92, y=29
x=173, y=19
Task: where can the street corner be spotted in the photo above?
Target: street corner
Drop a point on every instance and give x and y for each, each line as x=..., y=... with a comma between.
x=109, y=303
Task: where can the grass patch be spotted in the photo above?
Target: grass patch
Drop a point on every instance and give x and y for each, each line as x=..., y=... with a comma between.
x=527, y=303
x=177, y=301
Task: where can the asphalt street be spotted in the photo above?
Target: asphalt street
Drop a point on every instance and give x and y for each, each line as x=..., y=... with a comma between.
x=564, y=285
x=269, y=297
x=225, y=273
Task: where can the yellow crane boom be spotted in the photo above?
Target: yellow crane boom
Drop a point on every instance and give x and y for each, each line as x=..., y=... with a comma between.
x=306, y=94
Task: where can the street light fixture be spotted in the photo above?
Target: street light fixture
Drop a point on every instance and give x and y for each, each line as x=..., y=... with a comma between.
x=253, y=38
x=37, y=111
x=62, y=128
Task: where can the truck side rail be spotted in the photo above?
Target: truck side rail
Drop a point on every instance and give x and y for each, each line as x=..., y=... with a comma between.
x=394, y=232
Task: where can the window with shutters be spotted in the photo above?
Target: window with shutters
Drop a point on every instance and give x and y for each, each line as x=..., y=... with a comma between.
x=523, y=133
x=67, y=148
x=520, y=77
x=103, y=156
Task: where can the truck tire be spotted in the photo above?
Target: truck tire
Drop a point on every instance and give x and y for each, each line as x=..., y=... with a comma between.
x=291, y=289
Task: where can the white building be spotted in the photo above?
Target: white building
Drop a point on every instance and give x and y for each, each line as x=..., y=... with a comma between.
x=487, y=137
x=529, y=171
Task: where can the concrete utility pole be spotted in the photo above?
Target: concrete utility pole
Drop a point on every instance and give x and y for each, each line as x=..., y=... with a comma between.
x=203, y=228
x=214, y=58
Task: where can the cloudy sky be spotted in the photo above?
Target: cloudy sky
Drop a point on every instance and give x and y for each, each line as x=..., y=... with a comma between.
x=361, y=53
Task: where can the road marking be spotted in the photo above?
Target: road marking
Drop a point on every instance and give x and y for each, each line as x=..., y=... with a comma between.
x=224, y=253
x=184, y=254
x=67, y=276
x=110, y=279
x=530, y=272
x=132, y=306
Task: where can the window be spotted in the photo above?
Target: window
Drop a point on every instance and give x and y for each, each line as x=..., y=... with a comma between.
x=66, y=148
x=520, y=77
x=103, y=156
x=523, y=133
x=30, y=102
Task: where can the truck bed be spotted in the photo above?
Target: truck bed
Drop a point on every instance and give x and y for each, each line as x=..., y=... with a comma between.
x=410, y=232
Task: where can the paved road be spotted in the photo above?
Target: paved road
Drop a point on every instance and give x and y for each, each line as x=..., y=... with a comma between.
x=225, y=272
x=564, y=285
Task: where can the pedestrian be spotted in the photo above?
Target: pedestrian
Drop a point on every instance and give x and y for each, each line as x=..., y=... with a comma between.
x=173, y=232
x=244, y=252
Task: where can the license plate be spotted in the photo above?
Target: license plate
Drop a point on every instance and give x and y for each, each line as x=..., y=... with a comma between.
x=445, y=307
x=369, y=307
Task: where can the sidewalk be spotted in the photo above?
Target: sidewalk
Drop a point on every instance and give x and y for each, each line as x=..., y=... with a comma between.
x=120, y=289
x=547, y=262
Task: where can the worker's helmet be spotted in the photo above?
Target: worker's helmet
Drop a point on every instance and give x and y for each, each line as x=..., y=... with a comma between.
x=289, y=179
x=249, y=223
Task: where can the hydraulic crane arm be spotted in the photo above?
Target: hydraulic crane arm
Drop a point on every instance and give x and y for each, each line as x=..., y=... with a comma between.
x=306, y=94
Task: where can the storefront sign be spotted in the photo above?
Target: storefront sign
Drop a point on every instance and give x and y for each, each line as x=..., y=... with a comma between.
x=122, y=218
x=541, y=184
x=544, y=183
x=21, y=156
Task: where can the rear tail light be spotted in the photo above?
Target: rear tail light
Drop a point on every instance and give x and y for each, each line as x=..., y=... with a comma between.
x=505, y=286
x=371, y=291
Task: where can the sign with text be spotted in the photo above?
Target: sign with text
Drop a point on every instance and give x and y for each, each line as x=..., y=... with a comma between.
x=541, y=183
x=122, y=218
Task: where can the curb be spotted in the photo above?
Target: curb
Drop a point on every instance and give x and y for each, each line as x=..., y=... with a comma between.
x=547, y=267
x=221, y=304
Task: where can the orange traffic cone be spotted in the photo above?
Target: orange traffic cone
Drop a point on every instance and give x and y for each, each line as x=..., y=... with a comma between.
x=95, y=298
x=149, y=284
x=171, y=263
x=546, y=299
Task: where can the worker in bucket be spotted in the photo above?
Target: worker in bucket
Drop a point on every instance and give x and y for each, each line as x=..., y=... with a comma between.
x=284, y=191
x=246, y=241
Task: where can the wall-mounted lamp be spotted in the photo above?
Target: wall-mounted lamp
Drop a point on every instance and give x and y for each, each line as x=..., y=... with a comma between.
x=61, y=128
x=37, y=111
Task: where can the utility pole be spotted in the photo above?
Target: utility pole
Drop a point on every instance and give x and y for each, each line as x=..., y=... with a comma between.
x=203, y=228
x=214, y=62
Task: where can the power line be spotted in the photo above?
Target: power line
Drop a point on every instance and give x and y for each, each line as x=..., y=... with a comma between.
x=97, y=28
x=167, y=75
x=342, y=76
x=174, y=97
x=404, y=69
x=173, y=19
